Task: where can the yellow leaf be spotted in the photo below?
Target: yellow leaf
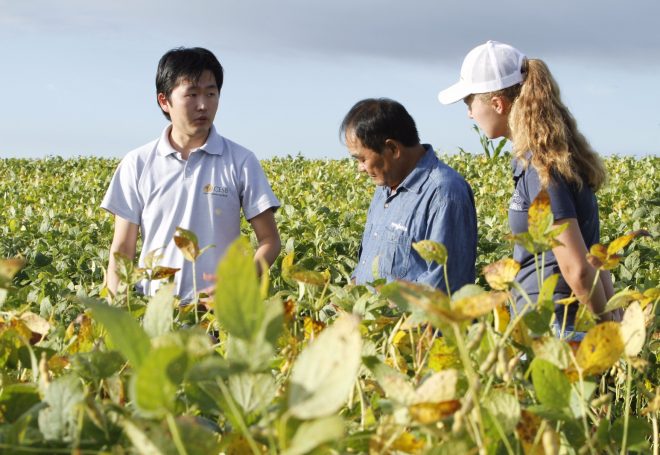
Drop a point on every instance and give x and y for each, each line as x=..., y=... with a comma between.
x=633, y=330
x=601, y=259
x=187, y=242
x=650, y=295
x=527, y=428
x=9, y=268
x=433, y=302
x=21, y=328
x=502, y=318
x=35, y=323
x=312, y=328
x=478, y=305
x=426, y=413
x=438, y=388
x=430, y=250
x=501, y=274
x=237, y=444
x=623, y=241
x=160, y=272
x=654, y=404
x=408, y=443
x=539, y=216
x=57, y=364
x=619, y=243
x=307, y=276
x=567, y=300
x=398, y=337
x=442, y=356
x=601, y=347
x=520, y=334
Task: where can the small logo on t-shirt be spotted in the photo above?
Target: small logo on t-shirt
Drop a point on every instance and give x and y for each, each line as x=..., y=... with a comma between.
x=215, y=190
x=516, y=202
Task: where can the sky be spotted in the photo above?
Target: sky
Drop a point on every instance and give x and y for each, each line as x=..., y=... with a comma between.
x=78, y=75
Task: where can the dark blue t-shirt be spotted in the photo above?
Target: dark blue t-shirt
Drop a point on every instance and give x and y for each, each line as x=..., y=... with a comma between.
x=566, y=201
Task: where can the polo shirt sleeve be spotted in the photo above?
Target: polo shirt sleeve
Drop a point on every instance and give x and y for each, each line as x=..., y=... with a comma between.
x=256, y=194
x=122, y=197
x=562, y=202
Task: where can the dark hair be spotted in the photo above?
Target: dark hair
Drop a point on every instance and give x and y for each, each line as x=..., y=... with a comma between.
x=373, y=121
x=185, y=63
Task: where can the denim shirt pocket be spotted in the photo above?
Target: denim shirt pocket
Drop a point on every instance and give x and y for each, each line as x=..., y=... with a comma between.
x=396, y=255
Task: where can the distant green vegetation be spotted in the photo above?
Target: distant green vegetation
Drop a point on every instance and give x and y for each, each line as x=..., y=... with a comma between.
x=285, y=367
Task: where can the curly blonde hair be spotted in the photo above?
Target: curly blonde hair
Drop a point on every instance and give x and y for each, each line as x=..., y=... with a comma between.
x=539, y=122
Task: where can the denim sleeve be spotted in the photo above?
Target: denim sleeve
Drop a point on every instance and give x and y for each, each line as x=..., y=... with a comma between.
x=452, y=222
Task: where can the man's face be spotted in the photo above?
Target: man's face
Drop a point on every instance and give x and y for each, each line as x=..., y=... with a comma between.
x=192, y=107
x=381, y=167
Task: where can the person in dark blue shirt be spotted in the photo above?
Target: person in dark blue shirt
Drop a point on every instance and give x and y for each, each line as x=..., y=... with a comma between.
x=509, y=95
x=418, y=198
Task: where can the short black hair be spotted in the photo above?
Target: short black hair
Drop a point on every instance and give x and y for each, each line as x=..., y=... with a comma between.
x=185, y=63
x=374, y=120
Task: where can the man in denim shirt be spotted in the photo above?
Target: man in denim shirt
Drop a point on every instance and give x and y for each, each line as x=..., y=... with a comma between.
x=418, y=198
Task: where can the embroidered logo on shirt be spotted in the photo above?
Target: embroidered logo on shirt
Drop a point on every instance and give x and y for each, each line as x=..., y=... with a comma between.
x=399, y=227
x=516, y=202
x=215, y=190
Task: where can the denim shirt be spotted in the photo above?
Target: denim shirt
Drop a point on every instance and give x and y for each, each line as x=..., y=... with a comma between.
x=433, y=202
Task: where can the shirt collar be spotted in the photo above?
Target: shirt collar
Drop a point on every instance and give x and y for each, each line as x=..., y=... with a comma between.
x=419, y=175
x=214, y=144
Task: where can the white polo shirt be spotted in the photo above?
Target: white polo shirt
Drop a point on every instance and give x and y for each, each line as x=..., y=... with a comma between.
x=157, y=190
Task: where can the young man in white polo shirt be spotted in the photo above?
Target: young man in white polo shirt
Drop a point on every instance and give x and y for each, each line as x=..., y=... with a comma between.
x=189, y=177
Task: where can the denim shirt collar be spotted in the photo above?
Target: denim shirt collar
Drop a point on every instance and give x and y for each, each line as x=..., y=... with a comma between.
x=414, y=181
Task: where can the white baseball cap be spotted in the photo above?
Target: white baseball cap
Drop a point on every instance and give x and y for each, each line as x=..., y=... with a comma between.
x=487, y=68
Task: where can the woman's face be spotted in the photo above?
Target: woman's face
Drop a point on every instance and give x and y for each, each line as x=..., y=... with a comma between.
x=490, y=114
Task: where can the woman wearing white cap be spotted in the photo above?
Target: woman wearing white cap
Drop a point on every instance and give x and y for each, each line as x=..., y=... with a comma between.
x=509, y=95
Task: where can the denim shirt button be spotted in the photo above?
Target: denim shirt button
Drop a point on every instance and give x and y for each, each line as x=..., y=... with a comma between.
x=387, y=205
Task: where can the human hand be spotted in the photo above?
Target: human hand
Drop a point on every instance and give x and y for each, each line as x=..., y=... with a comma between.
x=207, y=294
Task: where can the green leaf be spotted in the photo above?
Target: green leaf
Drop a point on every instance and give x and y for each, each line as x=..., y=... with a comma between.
x=58, y=422
x=97, y=364
x=159, y=314
x=199, y=436
x=238, y=304
x=252, y=392
x=504, y=408
x=251, y=355
x=125, y=332
x=154, y=387
x=545, y=298
x=580, y=397
x=15, y=399
x=639, y=430
x=145, y=442
x=552, y=387
x=314, y=433
x=553, y=350
x=538, y=319
x=324, y=374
